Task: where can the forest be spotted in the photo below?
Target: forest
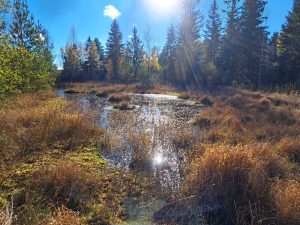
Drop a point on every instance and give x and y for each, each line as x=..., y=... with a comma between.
x=204, y=129
x=240, y=53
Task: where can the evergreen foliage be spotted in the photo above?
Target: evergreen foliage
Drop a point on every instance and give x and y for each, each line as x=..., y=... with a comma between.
x=290, y=46
x=114, y=50
x=168, y=57
x=240, y=53
x=213, y=33
x=26, y=60
x=253, y=42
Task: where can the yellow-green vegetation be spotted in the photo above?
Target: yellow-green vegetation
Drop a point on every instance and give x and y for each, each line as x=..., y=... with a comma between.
x=248, y=157
x=51, y=168
x=105, y=89
x=19, y=71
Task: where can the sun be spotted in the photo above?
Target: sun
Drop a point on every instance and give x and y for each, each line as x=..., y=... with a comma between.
x=162, y=7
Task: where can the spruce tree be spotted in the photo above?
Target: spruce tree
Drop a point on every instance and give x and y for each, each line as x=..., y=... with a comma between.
x=230, y=47
x=168, y=56
x=290, y=45
x=136, y=51
x=92, y=60
x=188, y=43
x=114, y=50
x=22, y=29
x=213, y=33
x=100, y=51
x=253, y=42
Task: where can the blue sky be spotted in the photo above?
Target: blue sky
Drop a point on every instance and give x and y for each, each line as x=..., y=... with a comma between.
x=87, y=16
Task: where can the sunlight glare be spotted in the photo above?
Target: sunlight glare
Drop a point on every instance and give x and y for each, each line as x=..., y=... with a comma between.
x=162, y=7
x=158, y=159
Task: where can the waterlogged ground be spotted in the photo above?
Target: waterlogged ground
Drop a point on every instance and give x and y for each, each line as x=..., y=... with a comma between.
x=144, y=139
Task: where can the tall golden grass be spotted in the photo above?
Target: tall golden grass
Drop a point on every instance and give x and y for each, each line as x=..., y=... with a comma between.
x=50, y=163
x=250, y=148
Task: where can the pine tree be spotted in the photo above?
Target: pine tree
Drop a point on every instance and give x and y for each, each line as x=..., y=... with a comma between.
x=114, y=50
x=213, y=33
x=188, y=43
x=253, y=41
x=290, y=45
x=22, y=29
x=136, y=53
x=168, y=56
x=230, y=48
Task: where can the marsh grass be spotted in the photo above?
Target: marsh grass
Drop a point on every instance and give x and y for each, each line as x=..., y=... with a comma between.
x=287, y=201
x=64, y=216
x=50, y=163
x=124, y=106
x=119, y=97
x=250, y=146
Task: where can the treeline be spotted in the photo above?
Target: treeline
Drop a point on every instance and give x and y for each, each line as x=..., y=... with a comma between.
x=26, y=60
x=116, y=62
x=238, y=51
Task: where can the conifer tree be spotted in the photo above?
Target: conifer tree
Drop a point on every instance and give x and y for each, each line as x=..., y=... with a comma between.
x=290, y=45
x=188, y=43
x=253, y=41
x=114, y=50
x=92, y=60
x=100, y=51
x=22, y=30
x=135, y=47
x=230, y=47
x=213, y=33
x=168, y=56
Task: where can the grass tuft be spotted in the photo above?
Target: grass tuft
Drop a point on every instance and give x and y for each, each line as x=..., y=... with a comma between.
x=287, y=201
x=119, y=97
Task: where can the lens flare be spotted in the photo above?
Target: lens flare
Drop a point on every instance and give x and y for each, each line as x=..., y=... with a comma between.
x=162, y=7
x=158, y=159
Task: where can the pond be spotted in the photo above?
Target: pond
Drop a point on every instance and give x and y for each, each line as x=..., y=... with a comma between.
x=151, y=131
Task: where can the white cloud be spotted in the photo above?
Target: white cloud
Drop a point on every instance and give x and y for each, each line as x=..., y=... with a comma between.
x=111, y=11
x=130, y=36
